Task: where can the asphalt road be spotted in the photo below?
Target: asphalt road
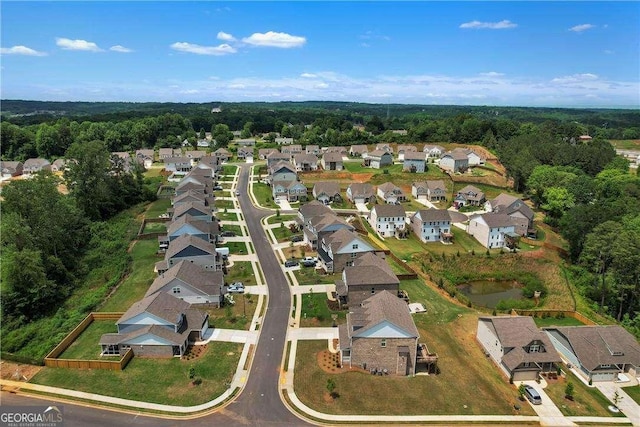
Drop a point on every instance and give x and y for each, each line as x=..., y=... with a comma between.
x=259, y=403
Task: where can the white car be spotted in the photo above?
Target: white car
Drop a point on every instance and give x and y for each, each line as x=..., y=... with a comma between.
x=236, y=288
x=237, y=192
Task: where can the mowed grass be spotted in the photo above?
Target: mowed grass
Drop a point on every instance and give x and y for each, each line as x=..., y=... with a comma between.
x=223, y=204
x=262, y=193
x=229, y=169
x=236, y=248
x=283, y=233
x=157, y=208
x=227, y=216
x=241, y=272
x=163, y=381
x=137, y=282
x=236, y=316
x=86, y=346
x=232, y=227
x=587, y=401
x=633, y=392
x=316, y=311
x=155, y=227
x=275, y=219
x=312, y=276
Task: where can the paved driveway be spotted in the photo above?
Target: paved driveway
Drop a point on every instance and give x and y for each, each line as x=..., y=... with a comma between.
x=548, y=412
x=284, y=205
x=362, y=207
x=627, y=405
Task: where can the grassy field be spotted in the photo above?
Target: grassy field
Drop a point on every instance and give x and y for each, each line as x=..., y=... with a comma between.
x=86, y=346
x=223, y=204
x=316, y=311
x=157, y=208
x=283, y=233
x=236, y=316
x=141, y=380
x=282, y=218
x=407, y=248
x=241, y=272
x=155, y=227
x=233, y=227
x=588, y=401
x=626, y=144
x=236, y=248
x=141, y=275
x=633, y=392
x=229, y=169
x=312, y=276
x=227, y=216
x=553, y=321
x=262, y=193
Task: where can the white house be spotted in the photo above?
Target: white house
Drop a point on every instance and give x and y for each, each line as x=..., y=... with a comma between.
x=434, y=225
x=414, y=162
x=377, y=159
x=454, y=162
x=388, y=220
x=492, y=230
x=433, y=151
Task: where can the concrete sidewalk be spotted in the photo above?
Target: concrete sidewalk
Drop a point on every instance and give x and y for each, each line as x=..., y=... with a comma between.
x=627, y=405
x=229, y=335
x=296, y=334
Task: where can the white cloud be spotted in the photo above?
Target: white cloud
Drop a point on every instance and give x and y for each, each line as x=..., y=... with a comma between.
x=504, y=24
x=492, y=74
x=575, y=78
x=121, y=49
x=274, y=39
x=225, y=36
x=20, y=50
x=223, y=49
x=582, y=27
x=68, y=44
x=308, y=75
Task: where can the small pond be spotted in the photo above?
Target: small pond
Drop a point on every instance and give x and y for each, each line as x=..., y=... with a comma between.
x=488, y=293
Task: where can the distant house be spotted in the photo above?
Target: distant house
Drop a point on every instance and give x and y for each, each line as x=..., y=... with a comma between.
x=292, y=150
x=378, y=159
x=433, y=151
x=391, y=193
x=454, y=162
x=517, y=346
x=434, y=225
x=292, y=191
x=312, y=209
x=312, y=149
x=192, y=196
x=327, y=192
x=380, y=335
x=32, y=166
x=367, y=276
x=332, y=162
x=197, y=210
x=277, y=157
x=263, y=153
x=384, y=147
x=187, y=224
x=599, y=353
x=469, y=196
x=401, y=132
x=165, y=153
x=190, y=283
x=361, y=193
x=404, y=149
x=10, y=169
x=585, y=138
x=388, y=220
x=492, y=230
x=244, y=152
x=282, y=171
x=341, y=248
x=358, y=150
x=414, y=162
x=305, y=162
x=519, y=212
x=284, y=141
x=335, y=149
x=159, y=325
x=177, y=165
x=246, y=142
x=222, y=154
x=145, y=157
x=320, y=226
x=210, y=162
x=433, y=191
x=474, y=158
x=59, y=165
x=191, y=249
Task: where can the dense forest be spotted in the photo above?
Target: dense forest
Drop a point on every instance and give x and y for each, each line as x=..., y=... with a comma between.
x=586, y=192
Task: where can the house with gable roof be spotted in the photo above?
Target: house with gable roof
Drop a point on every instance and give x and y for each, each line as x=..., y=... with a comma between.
x=454, y=162
x=433, y=225
x=341, y=248
x=332, y=162
x=414, y=162
x=391, y=193
x=519, y=212
x=319, y=226
x=469, y=196
x=380, y=336
x=433, y=191
x=35, y=165
x=378, y=159
x=358, y=150
x=403, y=149
x=305, y=162
x=222, y=154
x=368, y=275
x=327, y=192
x=493, y=230
x=190, y=283
x=10, y=169
x=433, y=151
x=517, y=346
x=361, y=192
x=190, y=249
x=388, y=220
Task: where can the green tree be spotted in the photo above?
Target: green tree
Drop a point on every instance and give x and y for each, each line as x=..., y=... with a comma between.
x=558, y=201
x=521, y=390
x=202, y=135
x=48, y=141
x=220, y=135
x=569, y=390
x=247, y=130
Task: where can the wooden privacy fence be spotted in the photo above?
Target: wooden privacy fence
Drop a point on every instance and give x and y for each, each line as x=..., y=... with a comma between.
x=52, y=360
x=554, y=313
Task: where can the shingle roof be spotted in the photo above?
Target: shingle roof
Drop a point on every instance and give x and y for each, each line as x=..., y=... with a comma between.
x=332, y=157
x=36, y=163
x=306, y=158
x=506, y=203
x=495, y=220
x=389, y=210
x=314, y=208
x=185, y=207
x=433, y=215
x=206, y=281
x=189, y=195
x=456, y=155
x=184, y=241
x=414, y=155
x=161, y=305
x=328, y=187
x=168, y=160
x=377, y=153
x=206, y=227
x=281, y=165
x=369, y=269
x=361, y=189
x=340, y=238
x=601, y=345
x=358, y=149
x=381, y=307
x=407, y=148
x=387, y=187
x=436, y=185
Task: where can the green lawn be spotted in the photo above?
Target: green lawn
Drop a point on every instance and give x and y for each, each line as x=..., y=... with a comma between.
x=241, y=272
x=229, y=169
x=237, y=248
x=262, y=193
x=154, y=170
x=163, y=381
x=588, y=401
x=223, y=204
x=140, y=276
x=633, y=392
x=236, y=316
x=86, y=346
x=626, y=144
x=439, y=309
x=227, y=216
x=282, y=218
x=356, y=167
x=233, y=227
x=554, y=321
x=316, y=311
x=312, y=276
x=155, y=227
x=282, y=233
x=157, y=208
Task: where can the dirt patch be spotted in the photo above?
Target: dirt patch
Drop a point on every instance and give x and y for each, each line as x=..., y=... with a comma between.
x=330, y=363
x=17, y=371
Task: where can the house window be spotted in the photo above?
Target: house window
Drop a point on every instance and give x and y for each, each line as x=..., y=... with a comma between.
x=534, y=348
x=383, y=343
x=607, y=365
x=353, y=255
x=176, y=290
x=373, y=290
x=349, y=264
x=355, y=246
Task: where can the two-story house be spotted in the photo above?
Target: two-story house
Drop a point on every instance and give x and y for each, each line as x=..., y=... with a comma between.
x=388, y=220
x=469, y=196
x=358, y=150
x=492, y=230
x=317, y=227
x=305, y=162
x=403, y=149
x=433, y=191
x=454, y=162
x=433, y=151
x=332, y=162
x=358, y=192
x=263, y=153
x=312, y=149
x=190, y=283
x=414, y=162
x=391, y=193
x=327, y=192
x=368, y=275
x=35, y=165
x=434, y=225
x=177, y=165
x=519, y=212
x=222, y=154
x=145, y=157
x=341, y=248
x=277, y=157
x=11, y=169
x=190, y=249
x=377, y=159
x=291, y=150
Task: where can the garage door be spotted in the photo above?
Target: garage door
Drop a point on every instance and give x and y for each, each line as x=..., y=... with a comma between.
x=605, y=376
x=524, y=375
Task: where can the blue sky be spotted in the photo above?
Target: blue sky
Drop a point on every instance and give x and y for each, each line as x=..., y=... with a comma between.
x=480, y=53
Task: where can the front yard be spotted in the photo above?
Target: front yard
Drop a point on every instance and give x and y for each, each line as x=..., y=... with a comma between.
x=277, y=219
x=313, y=276
x=235, y=248
x=242, y=271
x=316, y=311
x=164, y=381
x=262, y=193
x=234, y=316
x=633, y=392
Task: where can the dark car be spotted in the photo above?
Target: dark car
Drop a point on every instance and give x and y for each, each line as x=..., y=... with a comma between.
x=218, y=187
x=228, y=233
x=308, y=263
x=297, y=238
x=291, y=263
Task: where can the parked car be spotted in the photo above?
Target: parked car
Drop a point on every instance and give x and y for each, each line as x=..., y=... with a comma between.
x=218, y=187
x=533, y=395
x=310, y=258
x=236, y=288
x=297, y=238
x=291, y=263
x=308, y=263
x=237, y=193
x=228, y=233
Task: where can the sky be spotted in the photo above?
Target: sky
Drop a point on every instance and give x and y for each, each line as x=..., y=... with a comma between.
x=554, y=54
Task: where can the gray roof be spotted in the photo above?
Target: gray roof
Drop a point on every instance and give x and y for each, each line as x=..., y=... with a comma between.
x=306, y=158
x=413, y=155
x=327, y=187
x=508, y=204
x=184, y=207
x=314, y=208
x=276, y=155
x=184, y=241
x=323, y=221
x=429, y=147
x=167, y=160
x=471, y=193
x=426, y=215
x=407, y=148
x=145, y=153
x=161, y=305
x=495, y=220
x=389, y=186
x=382, y=307
x=436, y=185
x=36, y=163
x=389, y=210
x=10, y=165
x=378, y=153
x=358, y=149
x=195, y=196
x=455, y=155
x=206, y=281
x=361, y=189
x=340, y=238
x=205, y=227
x=369, y=269
x=332, y=157
x=222, y=151
x=266, y=151
x=601, y=345
x=275, y=167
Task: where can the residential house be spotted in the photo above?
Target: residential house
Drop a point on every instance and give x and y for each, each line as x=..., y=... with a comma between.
x=263, y=153
x=401, y=132
x=165, y=153
x=277, y=157
x=469, y=196
x=433, y=191
x=493, y=230
x=312, y=149
x=358, y=150
x=433, y=225
x=335, y=149
x=388, y=220
x=159, y=325
x=292, y=191
x=245, y=142
x=192, y=186
x=341, y=248
x=210, y=162
x=282, y=171
x=187, y=224
x=32, y=166
x=291, y=150
x=433, y=151
x=361, y=193
x=332, y=162
x=236, y=133
x=380, y=336
x=223, y=154
x=599, y=353
x=284, y=141
x=190, y=249
x=244, y=152
x=197, y=210
x=305, y=162
x=378, y=159
x=190, y=283
x=192, y=196
x=59, y=165
x=177, y=165
x=203, y=143
x=404, y=149
x=327, y=192
x=414, y=162
x=391, y=193
x=517, y=346
x=311, y=209
x=454, y=162
x=474, y=158
x=317, y=227
x=366, y=276
x=194, y=156
x=10, y=169
x=384, y=147
x=145, y=157
x=519, y=212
